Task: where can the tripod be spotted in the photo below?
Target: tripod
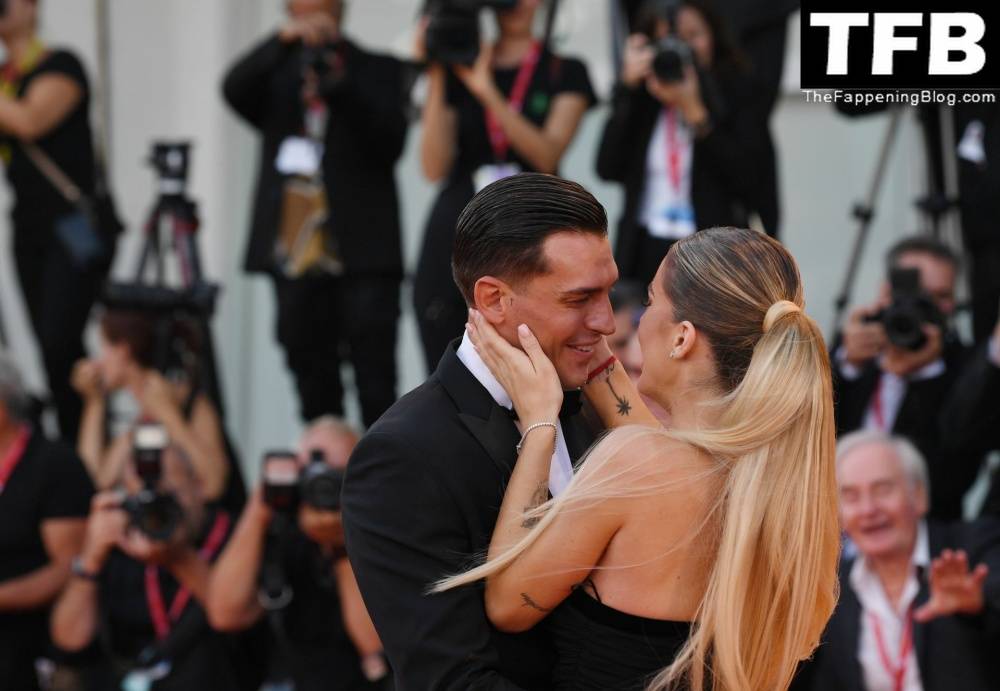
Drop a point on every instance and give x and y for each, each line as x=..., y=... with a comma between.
x=173, y=210
x=935, y=205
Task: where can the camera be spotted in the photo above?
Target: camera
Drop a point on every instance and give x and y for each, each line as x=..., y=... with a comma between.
x=155, y=513
x=170, y=160
x=671, y=58
x=452, y=35
x=908, y=312
x=286, y=487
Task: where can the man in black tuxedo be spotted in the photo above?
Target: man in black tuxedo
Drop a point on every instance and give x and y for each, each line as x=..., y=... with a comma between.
x=424, y=486
x=929, y=590
x=881, y=386
x=308, y=83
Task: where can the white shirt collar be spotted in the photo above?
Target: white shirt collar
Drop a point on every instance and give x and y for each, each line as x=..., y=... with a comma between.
x=470, y=358
x=561, y=466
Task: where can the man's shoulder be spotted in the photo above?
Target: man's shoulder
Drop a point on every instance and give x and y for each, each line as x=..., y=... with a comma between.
x=421, y=425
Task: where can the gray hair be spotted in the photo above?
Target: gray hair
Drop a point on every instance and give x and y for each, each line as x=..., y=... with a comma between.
x=910, y=458
x=13, y=395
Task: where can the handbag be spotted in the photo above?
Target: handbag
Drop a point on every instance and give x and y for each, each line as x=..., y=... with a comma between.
x=88, y=232
x=305, y=244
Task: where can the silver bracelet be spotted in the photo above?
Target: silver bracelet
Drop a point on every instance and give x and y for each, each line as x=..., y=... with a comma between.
x=535, y=426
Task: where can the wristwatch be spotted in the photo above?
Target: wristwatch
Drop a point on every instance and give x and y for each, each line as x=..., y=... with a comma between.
x=77, y=568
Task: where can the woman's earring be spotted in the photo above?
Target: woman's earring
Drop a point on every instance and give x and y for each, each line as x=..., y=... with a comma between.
x=673, y=353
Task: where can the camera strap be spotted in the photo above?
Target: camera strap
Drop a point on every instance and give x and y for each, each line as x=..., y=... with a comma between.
x=14, y=455
x=161, y=617
x=498, y=138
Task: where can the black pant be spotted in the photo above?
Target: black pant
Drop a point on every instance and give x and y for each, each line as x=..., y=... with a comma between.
x=324, y=320
x=59, y=297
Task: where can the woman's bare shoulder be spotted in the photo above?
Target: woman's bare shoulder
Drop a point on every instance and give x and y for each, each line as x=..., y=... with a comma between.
x=635, y=453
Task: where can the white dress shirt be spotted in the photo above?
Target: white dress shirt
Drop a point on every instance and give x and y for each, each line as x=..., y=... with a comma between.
x=666, y=210
x=561, y=467
x=891, y=619
x=887, y=399
x=891, y=389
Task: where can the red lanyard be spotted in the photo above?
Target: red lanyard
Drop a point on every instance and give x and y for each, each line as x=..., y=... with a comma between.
x=13, y=456
x=896, y=671
x=154, y=597
x=673, y=150
x=498, y=138
x=878, y=411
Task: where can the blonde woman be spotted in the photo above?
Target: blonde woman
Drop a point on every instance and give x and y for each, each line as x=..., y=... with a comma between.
x=703, y=556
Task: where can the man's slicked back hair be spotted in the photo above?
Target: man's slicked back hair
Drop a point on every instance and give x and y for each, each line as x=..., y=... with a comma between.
x=503, y=229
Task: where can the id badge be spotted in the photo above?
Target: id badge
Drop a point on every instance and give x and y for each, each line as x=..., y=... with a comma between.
x=675, y=222
x=491, y=173
x=143, y=679
x=299, y=156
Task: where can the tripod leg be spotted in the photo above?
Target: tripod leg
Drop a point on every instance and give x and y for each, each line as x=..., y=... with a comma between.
x=3, y=332
x=865, y=213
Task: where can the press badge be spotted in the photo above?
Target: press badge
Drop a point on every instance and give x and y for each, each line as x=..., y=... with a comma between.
x=143, y=679
x=299, y=156
x=491, y=173
x=673, y=223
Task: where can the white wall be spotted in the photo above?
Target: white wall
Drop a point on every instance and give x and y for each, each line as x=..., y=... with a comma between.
x=167, y=61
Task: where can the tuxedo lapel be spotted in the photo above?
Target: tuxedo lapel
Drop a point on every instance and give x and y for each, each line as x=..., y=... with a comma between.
x=488, y=422
x=497, y=435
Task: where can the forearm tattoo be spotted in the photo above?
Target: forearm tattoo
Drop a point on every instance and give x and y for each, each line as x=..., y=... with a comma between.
x=624, y=407
x=540, y=496
x=528, y=602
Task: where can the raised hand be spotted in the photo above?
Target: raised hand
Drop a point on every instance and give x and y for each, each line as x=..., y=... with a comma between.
x=527, y=375
x=86, y=379
x=954, y=588
x=478, y=79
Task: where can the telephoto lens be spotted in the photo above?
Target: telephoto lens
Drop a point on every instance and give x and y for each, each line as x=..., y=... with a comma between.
x=672, y=56
x=320, y=485
x=452, y=35
x=155, y=513
x=910, y=310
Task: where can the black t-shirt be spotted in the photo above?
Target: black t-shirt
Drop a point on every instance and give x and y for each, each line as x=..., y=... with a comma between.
x=49, y=482
x=69, y=145
x=202, y=658
x=324, y=656
x=553, y=75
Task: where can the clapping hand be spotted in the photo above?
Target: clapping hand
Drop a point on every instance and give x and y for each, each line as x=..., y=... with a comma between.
x=954, y=588
x=527, y=375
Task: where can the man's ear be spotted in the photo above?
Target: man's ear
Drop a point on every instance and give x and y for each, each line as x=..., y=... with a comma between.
x=491, y=297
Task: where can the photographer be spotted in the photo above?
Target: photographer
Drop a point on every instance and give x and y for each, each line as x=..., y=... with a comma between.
x=686, y=134
x=516, y=108
x=140, y=580
x=129, y=341
x=332, y=117
x=323, y=634
x=44, y=492
x=897, y=363
x=61, y=254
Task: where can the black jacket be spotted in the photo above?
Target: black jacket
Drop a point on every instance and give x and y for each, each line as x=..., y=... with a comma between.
x=970, y=420
x=365, y=137
x=957, y=652
x=952, y=470
x=420, y=502
x=726, y=178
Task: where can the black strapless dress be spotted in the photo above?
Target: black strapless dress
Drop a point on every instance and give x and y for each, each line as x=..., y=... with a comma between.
x=603, y=649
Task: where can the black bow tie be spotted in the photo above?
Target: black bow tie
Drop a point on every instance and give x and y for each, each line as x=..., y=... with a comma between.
x=571, y=405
